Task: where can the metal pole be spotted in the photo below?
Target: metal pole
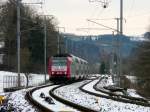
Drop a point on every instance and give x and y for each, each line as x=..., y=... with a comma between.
x=117, y=50
x=66, y=46
x=58, y=47
x=113, y=55
x=121, y=33
x=18, y=40
x=45, y=38
x=118, y=25
x=121, y=17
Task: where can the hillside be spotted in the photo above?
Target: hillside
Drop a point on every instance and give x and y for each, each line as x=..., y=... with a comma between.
x=94, y=48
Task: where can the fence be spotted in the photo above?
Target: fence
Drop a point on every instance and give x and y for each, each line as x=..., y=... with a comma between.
x=12, y=81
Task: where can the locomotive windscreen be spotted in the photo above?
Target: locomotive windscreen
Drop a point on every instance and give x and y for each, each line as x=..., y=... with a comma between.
x=59, y=61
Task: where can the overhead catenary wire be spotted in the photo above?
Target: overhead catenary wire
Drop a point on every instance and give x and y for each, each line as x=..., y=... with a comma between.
x=92, y=28
x=102, y=2
x=102, y=25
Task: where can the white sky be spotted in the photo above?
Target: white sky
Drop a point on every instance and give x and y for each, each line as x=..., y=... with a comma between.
x=72, y=14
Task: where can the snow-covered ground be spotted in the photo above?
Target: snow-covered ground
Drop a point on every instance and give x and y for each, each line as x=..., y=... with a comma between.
x=9, y=79
x=17, y=101
x=133, y=79
x=57, y=107
x=72, y=93
x=132, y=92
x=106, y=81
x=89, y=87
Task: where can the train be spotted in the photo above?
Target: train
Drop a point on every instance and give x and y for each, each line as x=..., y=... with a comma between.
x=67, y=67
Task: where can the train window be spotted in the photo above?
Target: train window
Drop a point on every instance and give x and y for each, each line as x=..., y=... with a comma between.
x=59, y=62
x=76, y=60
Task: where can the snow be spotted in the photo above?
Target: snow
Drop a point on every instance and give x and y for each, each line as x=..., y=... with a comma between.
x=108, y=105
x=58, y=106
x=133, y=93
x=72, y=93
x=37, y=79
x=2, y=75
x=140, y=38
x=106, y=81
x=6, y=79
x=89, y=87
x=19, y=103
x=133, y=79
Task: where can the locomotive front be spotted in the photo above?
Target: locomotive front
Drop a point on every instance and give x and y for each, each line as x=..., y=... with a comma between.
x=59, y=68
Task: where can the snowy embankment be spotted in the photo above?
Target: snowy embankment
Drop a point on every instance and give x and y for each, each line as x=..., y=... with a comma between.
x=18, y=103
x=16, y=100
x=9, y=79
x=107, y=81
x=73, y=94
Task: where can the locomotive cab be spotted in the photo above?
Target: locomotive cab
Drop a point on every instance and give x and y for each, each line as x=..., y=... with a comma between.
x=59, y=67
x=67, y=66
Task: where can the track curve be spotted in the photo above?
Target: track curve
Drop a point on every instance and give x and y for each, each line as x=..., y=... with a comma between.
x=110, y=95
x=34, y=102
x=43, y=105
x=67, y=102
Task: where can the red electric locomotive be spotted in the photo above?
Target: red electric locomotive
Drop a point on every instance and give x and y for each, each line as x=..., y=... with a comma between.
x=67, y=66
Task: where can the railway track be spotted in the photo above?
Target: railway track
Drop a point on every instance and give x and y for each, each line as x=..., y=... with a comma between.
x=52, y=104
x=29, y=97
x=101, y=92
x=67, y=102
x=71, y=107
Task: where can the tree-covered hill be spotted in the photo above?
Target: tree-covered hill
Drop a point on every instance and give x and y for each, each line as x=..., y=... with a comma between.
x=93, y=48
